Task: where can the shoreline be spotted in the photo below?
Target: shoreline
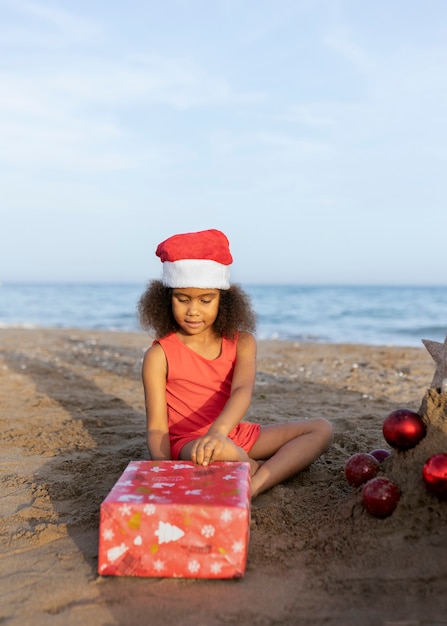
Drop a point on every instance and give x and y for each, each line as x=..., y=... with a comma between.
x=30, y=327
x=73, y=417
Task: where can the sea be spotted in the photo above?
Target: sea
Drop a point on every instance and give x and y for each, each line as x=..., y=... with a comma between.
x=373, y=315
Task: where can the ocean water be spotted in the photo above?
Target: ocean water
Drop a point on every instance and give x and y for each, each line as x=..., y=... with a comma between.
x=400, y=316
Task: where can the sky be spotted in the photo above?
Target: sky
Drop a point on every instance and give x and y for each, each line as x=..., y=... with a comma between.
x=312, y=132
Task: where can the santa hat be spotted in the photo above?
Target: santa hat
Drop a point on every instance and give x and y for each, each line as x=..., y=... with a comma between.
x=198, y=260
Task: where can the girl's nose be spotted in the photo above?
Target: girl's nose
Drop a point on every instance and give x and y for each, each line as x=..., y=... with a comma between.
x=192, y=309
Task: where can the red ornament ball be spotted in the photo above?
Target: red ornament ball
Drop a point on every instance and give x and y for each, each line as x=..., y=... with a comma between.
x=380, y=454
x=434, y=474
x=360, y=467
x=380, y=496
x=403, y=429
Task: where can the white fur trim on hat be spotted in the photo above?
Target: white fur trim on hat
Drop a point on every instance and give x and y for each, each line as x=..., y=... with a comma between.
x=196, y=273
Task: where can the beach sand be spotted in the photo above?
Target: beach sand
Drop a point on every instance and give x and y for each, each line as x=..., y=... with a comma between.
x=72, y=417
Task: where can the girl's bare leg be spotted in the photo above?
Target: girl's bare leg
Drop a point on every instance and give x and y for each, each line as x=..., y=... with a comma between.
x=287, y=449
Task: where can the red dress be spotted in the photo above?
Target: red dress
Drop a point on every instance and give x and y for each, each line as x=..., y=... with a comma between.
x=197, y=390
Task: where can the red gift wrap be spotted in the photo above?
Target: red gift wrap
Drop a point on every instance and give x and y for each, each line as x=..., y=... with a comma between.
x=176, y=519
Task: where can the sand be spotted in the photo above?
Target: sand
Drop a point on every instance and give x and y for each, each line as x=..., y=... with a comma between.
x=72, y=418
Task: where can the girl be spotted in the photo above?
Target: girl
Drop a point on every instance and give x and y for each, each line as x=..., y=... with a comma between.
x=199, y=373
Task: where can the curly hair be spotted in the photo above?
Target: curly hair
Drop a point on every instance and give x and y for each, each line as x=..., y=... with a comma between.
x=235, y=311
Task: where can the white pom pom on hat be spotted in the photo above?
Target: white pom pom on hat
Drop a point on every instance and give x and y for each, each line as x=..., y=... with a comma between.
x=197, y=260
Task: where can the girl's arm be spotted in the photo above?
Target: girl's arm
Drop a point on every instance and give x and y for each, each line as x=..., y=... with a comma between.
x=154, y=383
x=237, y=404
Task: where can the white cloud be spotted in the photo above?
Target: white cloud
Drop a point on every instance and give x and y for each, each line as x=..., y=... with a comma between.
x=152, y=79
x=36, y=24
x=340, y=42
x=74, y=117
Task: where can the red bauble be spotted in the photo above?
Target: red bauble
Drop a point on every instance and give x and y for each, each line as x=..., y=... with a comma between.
x=360, y=467
x=380, y=454
x=403, y=429
x=380, y=496
x=434, y=474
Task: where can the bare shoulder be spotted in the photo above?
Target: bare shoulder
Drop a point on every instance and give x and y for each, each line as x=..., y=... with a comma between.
x=154, y=358
x=246, y=343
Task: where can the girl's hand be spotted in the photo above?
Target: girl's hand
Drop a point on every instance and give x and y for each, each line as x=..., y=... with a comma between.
x=208, y=448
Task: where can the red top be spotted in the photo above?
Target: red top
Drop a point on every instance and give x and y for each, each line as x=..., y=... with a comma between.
x=197, y=390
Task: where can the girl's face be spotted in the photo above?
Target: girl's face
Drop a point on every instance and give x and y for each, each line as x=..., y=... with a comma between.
x=195, y=310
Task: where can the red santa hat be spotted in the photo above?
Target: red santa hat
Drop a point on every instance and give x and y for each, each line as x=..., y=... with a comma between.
x=198, y=260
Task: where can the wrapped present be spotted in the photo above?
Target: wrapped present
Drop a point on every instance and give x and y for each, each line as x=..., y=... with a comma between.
x=176, y=519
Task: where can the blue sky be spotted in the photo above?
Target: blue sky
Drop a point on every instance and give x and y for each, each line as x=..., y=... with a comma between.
x=312, y=132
